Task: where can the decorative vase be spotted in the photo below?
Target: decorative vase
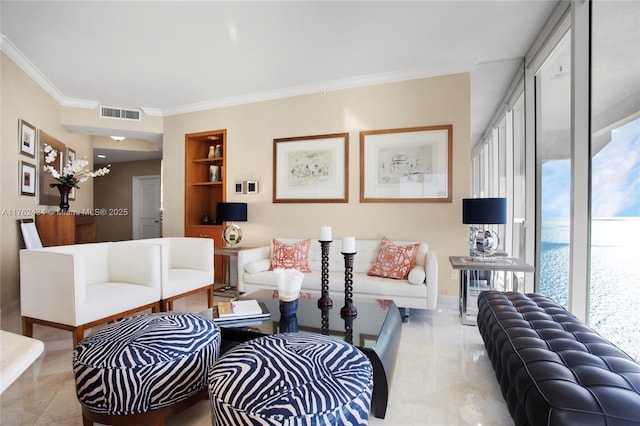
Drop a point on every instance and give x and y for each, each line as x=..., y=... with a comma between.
x=64, y=196
x=212, y=152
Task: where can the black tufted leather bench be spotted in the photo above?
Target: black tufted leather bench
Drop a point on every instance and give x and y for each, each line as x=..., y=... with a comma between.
x=552, y=368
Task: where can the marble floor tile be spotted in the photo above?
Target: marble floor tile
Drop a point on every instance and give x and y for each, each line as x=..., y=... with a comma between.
x=442, y=377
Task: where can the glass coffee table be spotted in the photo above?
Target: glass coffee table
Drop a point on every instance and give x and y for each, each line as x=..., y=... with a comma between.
x=376, y=331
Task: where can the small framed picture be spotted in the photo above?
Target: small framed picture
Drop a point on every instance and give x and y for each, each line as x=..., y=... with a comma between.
x=27, y=179
x=27, y=138
x=239, y=187
x=252, y=187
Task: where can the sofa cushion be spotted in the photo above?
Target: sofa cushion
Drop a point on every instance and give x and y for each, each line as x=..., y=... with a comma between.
x=291, y=256
x=394, y=261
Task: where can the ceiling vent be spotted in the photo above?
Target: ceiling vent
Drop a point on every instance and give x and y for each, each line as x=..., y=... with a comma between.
x=120, y=113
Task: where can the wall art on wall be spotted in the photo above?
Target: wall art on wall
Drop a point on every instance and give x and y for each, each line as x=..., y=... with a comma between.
x=46, y=195
x=251, y=187
x=408, y=165
x=28, y=178
x=239, y=187
x=311, y=169
x=27, y=138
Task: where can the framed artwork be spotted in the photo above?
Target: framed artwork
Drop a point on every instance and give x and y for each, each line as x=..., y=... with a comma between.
x=46, y=195
x=71, y=157
x=27, y=138
x=252, y=187
x=239, y=187
x=311, y=169
x=411, y=165
x=28, y=178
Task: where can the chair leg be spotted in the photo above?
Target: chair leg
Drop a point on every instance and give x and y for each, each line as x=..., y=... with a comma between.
x=210, y=296
x=78, y=335
x=27, y=327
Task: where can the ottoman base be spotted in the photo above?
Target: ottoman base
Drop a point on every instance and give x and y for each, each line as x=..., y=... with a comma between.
x=153, y=417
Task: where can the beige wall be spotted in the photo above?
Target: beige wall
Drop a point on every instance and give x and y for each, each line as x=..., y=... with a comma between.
x=252, y=128
x=113, y=192
x=23, y=98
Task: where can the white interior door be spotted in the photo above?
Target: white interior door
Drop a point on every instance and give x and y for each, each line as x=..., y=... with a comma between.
x=147, y=220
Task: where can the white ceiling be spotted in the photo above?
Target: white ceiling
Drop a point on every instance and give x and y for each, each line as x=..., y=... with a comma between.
x=169, y=57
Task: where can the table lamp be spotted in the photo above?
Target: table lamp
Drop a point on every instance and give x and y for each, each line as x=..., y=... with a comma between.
x=479, y=212
x=231, y=212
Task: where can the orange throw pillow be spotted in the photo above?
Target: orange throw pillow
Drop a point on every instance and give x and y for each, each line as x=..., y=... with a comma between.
x=291, y=256
x=394, y=261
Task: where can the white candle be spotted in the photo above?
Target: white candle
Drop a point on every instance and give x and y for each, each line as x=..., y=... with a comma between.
x=349, y=245
x=325, y=233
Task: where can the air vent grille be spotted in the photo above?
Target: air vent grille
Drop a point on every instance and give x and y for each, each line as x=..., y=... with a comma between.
x=120, y=113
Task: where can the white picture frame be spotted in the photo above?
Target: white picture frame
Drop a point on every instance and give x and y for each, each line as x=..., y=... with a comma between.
x=251, y=187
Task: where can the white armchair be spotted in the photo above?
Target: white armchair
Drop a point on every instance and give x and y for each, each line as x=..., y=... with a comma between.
x=80, y=286
x=187, y=268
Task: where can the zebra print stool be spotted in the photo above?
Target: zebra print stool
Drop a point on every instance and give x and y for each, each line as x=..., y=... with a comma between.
x=291, y=379
x=144, y=368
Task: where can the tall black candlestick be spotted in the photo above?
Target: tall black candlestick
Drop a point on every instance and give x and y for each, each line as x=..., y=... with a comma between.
x=325, y=301
x=348, y=309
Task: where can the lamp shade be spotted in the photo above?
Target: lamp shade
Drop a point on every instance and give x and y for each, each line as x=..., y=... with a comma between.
x=484, y=211
x=231, y=212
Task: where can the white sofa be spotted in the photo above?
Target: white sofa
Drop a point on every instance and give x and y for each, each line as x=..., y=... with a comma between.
x=187, y=267
x=254, y=273
x=76, y=287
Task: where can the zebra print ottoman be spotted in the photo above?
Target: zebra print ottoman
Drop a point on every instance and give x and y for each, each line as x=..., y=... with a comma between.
x=146, y=367
x=291, y=379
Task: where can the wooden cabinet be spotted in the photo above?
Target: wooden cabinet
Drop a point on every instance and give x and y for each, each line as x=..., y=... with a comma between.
x=65, y=229
x=205, y=178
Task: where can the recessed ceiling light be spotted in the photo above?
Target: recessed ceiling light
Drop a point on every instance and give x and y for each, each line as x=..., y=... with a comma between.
x=101, y=156
x=118, y=138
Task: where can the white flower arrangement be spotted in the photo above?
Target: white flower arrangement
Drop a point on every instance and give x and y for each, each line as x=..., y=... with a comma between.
x=74, y=172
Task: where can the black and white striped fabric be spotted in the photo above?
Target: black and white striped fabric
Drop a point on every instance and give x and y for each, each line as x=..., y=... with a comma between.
x=145, y=362
x=292, y=379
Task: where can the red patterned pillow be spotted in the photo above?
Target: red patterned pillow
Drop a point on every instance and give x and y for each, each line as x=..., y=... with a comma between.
x=394, y=261
x=291, y=256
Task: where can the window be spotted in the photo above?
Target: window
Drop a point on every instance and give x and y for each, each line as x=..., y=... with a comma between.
x=553, y=165
x=614, y=294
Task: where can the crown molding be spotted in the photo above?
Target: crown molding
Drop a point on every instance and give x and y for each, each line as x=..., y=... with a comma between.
x=327, y=86
x=29, y=68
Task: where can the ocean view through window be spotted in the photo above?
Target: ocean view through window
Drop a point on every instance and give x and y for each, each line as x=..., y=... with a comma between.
x=614, y=308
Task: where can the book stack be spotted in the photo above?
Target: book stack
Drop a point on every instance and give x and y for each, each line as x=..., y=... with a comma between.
x=240, y=311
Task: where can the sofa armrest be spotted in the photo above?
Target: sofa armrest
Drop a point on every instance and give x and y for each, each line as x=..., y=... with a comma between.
x=52, y=285
x=247, y=256
x=432, y=279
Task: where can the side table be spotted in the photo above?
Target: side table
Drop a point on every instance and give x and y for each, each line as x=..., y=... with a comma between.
x=228, y=290
x=479, y=275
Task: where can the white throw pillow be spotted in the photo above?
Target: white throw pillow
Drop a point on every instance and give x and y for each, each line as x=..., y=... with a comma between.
x=258, y=266
x=417, y=275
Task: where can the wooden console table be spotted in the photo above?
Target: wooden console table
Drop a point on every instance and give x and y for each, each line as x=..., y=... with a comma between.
x=65, y=229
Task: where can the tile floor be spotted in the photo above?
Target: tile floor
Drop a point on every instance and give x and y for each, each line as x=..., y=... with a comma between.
x=442, y=377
